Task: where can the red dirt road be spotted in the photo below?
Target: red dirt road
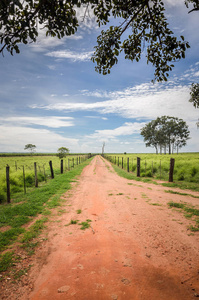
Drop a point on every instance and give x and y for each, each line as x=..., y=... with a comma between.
x=133, y=250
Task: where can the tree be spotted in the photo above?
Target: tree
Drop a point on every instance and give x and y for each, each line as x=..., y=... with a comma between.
x=166, y=133
x=30, y=147
x=62, y=152
x=143, y=20
x=194, y=93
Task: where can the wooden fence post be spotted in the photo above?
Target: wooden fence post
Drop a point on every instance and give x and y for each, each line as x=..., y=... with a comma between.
x=24, y=180
x=160, y=170
x=172, y=162
x=69, y=164
x=138, y=166
x=62, y=166
x=51, y=169
x=8, y=183
x=118, y=161
x=73, y=162
x=44, y=173
x=127, y=164
x=122, y=162
x=36, y=179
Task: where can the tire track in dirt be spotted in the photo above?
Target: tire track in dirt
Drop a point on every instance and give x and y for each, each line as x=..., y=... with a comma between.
x=134, y=250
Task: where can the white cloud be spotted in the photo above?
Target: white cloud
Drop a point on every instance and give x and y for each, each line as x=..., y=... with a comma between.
x=127, y=129
x=96, y=117
x=14, y=138
x=196, y=74
x=74, y=56
x=141, y=102
x=52, y=121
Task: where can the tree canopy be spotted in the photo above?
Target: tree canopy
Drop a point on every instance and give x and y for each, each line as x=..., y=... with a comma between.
x=30, y=147
x=194, y=99
x=166, y=133
x=62, y=152
x=194, y=93
x=145, y=20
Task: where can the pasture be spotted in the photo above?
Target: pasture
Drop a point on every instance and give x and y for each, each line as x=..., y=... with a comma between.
x=20, y=164
x=186, y=168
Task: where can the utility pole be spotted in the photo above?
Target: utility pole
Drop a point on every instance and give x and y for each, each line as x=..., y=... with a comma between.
x=103, y=145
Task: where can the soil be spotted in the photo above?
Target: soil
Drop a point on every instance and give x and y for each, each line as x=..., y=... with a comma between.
x=136, y=247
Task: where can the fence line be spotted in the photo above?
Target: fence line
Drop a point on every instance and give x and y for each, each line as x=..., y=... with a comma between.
x=116, y=160
x=75, y=162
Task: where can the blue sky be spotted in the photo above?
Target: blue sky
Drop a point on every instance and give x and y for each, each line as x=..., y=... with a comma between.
x=51, y=95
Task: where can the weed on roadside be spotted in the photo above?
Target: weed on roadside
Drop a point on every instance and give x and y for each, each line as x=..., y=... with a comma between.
x=189, y=213
x=182, y=194
x=85, y=225
x=6, y=261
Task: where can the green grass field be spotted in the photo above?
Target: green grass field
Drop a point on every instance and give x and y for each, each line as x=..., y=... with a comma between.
x=16, y=164
x=186, y=169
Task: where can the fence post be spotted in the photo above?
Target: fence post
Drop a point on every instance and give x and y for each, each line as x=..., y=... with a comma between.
x=77, y=161
x=127, y=164
x=118, y=161
x=172, y=162
x=73, y=162
x=122, y=162
x=8, y=183
x=152, y=168
x=24, y=180
x=69, y=164
x=36, y=179
x=62, y=166
x=44, y=173
x=138, y=166
x=51, y=169
x=160, y=170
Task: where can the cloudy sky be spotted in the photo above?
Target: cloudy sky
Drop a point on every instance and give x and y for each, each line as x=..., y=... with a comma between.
x=51, y=95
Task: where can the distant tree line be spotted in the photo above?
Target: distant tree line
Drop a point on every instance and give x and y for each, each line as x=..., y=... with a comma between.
x=166, y=134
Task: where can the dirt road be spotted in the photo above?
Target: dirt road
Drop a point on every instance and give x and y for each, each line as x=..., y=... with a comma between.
x=136, y=248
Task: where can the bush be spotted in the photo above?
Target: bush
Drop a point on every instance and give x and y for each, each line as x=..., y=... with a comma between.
x=149, y=174
x=181, y=176
x=193, y=171
x=2, y=197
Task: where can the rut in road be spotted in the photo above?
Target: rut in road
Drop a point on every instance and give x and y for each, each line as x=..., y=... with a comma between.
x=134, y=250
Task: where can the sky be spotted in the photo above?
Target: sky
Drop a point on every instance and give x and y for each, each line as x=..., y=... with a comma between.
x=51, y=96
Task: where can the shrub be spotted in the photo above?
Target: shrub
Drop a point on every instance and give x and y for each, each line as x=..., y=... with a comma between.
x=193, y=171
x=149, y=174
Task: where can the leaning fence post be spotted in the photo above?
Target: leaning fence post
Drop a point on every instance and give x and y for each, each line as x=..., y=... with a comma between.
x=36, y=179
x=172, y=162
x=51, y=169
x=138, y=166
x=8, y=183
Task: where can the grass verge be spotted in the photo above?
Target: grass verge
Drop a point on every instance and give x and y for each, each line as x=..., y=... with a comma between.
x=178, y=184
x=189, y=212
x=24, y=208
